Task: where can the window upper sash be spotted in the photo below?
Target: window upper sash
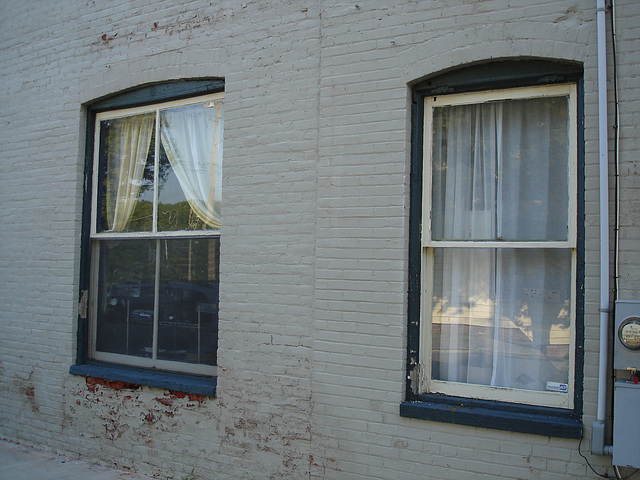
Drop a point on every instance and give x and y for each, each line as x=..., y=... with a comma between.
x=476, y=202
x=133, y=173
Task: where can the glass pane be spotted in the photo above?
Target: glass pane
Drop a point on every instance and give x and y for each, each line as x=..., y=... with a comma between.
x=502, y=317
x=126, y=297
x=188, y=313
x=125, y=199
x=190, y=167
x=500, y=170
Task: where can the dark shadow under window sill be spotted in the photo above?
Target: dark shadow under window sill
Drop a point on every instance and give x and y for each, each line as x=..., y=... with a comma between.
x=551, y=422
x=177, y=382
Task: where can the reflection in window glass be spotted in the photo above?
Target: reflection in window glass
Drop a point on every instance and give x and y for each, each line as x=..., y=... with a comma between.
x=188, y=310
x=527, y=290
x=126, y=297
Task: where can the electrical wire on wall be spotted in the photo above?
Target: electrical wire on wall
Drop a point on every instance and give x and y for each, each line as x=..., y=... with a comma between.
x=616, y=470
x=616, y=149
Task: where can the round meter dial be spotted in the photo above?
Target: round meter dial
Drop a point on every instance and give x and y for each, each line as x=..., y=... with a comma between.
x=629, y=333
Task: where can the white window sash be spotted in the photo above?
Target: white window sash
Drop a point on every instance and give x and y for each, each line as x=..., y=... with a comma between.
x=429, y=385
x=129, y=360
x=468, y=390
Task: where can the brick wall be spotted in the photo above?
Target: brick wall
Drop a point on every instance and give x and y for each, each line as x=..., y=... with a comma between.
x=314, y=243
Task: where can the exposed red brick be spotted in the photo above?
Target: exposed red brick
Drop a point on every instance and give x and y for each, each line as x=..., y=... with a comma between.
x=92, y=383
x=165, y=401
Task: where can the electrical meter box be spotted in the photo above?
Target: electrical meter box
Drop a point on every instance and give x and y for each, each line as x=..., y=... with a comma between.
x=626, y=352
x=626, y=393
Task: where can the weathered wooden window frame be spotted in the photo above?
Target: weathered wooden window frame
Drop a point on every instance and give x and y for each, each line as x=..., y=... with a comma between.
x=196, y=382
x=468, y=409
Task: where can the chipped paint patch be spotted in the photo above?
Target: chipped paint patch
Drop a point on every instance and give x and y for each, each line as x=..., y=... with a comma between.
x=30, y=392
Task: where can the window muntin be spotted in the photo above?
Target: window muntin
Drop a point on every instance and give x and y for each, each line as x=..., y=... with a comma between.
x=155, y=235
x=499, y=240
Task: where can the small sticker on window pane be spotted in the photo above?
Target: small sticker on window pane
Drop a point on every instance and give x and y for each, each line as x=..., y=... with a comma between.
x=557, y=387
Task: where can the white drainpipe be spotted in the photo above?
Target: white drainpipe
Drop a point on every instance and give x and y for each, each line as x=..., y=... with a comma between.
x=598, y=446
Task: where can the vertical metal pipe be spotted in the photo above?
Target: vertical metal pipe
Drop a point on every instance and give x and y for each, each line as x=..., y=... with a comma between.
x=597, y=437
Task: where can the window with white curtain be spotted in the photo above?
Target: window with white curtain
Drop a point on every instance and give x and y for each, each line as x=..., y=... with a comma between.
x=499, y=245
x=155, y=235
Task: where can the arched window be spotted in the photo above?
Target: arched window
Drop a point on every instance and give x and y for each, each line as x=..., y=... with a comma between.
x=496, y=297
x=152, y=240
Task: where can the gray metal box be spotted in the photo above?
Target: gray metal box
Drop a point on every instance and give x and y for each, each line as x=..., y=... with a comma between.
x=626, y=424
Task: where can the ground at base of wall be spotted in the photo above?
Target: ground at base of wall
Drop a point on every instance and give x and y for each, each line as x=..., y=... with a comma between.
x=26, y=463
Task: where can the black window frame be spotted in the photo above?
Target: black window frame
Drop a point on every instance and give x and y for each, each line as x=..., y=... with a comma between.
x=84, y=366
x=548, y=421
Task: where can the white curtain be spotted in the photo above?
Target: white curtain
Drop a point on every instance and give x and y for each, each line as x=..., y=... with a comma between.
x=128, y=143
x=499, y=172
x=192, y=139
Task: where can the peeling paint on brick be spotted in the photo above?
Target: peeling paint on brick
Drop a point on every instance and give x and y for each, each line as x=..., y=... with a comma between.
x=93, y=383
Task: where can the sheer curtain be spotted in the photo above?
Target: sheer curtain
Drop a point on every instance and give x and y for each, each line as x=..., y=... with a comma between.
x=128, y=142
x=499, y=173
x=192, y=139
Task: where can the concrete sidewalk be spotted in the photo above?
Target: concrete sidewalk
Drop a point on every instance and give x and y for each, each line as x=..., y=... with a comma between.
x=18, y=462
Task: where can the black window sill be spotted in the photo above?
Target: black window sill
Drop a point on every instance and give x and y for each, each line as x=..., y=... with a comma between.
x=551, y=422
x=176, y=382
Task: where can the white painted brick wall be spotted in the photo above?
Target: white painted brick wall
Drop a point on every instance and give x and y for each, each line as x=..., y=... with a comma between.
x=314, y=247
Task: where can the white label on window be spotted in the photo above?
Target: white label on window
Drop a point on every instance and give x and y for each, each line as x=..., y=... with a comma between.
x=557, y=387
